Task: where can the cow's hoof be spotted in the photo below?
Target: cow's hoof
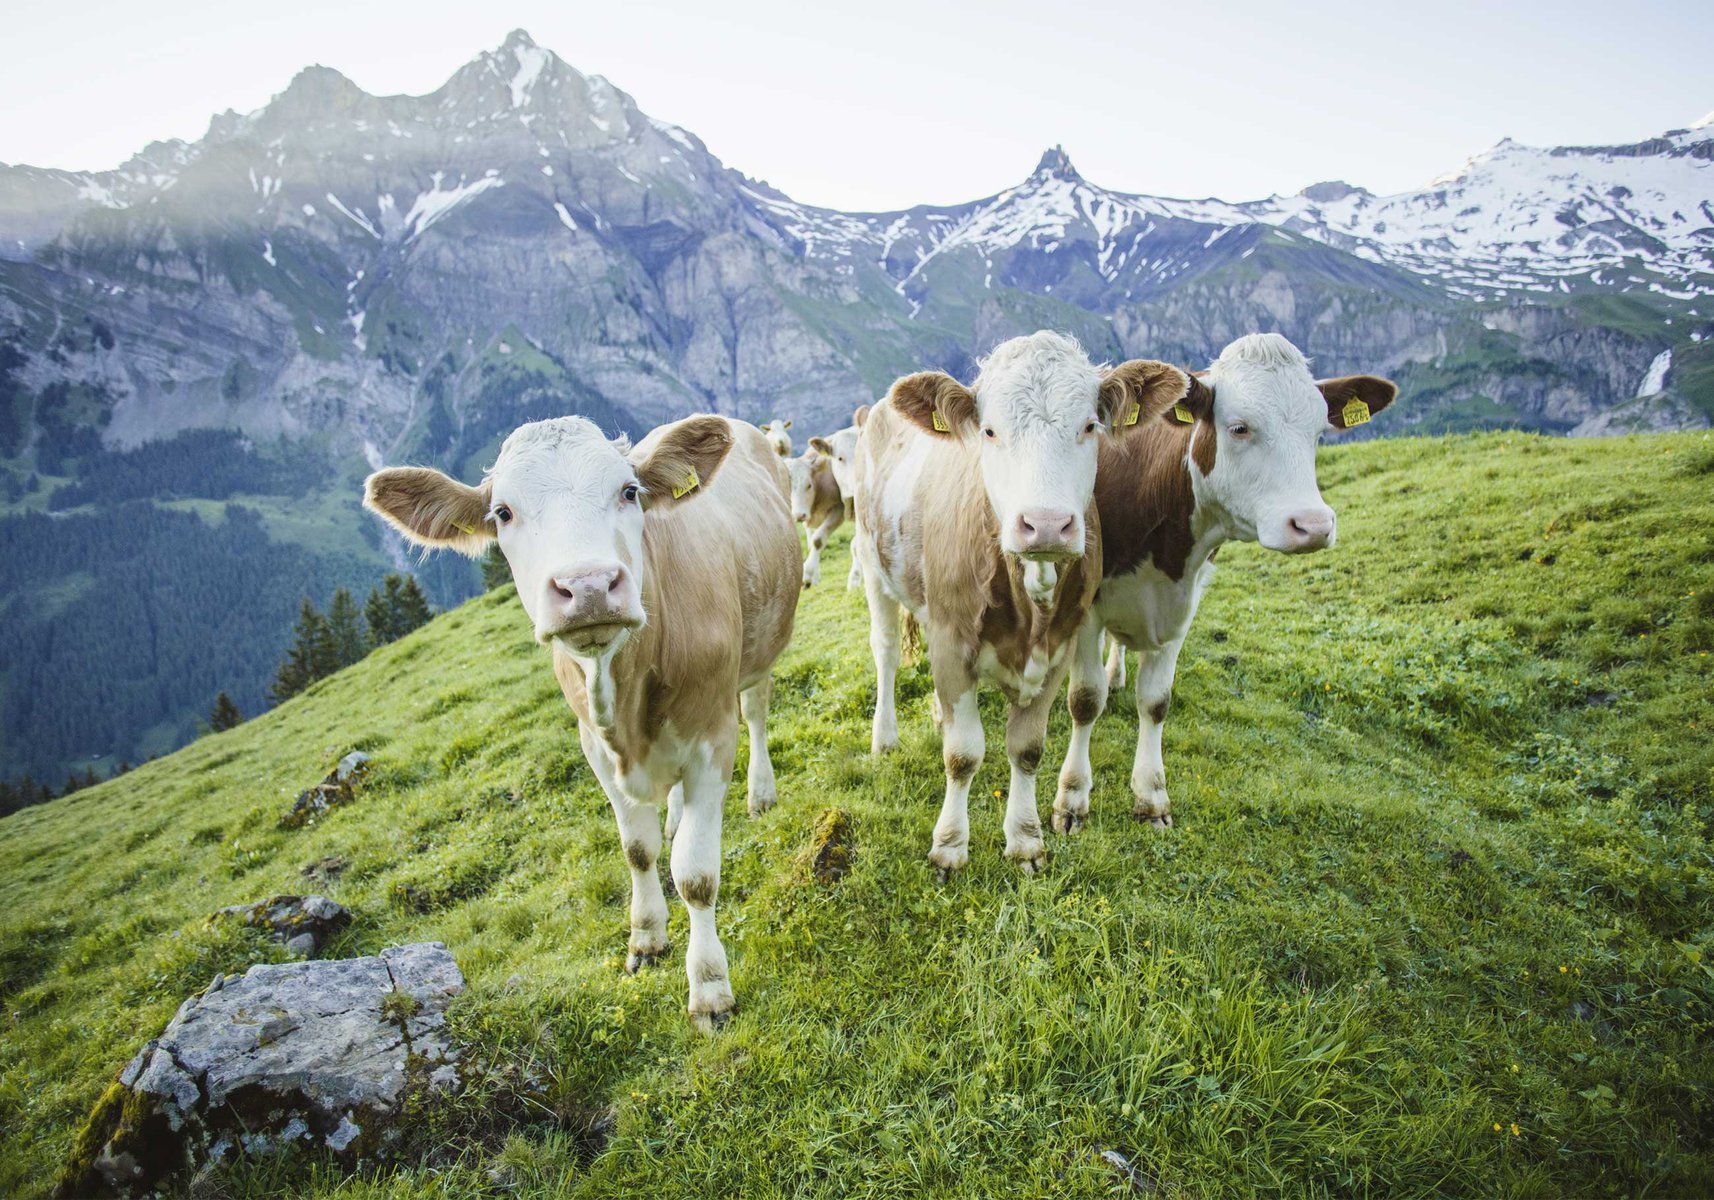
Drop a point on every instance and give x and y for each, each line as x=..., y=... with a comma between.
x=1031, y=856
x=636, y=960
x=883, y=744
x=1068, y=823
x=1160, y=818
x=761, y=804
x=712, y=1022
x=948, y=860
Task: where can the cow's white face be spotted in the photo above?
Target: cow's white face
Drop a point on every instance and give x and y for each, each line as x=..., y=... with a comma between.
x=779, y=436
x=1267, y=414
x=567, y=507
x=801, y=471
x=1036, y=414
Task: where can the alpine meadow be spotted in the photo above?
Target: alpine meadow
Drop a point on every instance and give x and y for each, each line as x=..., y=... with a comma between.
x=536, y=663
x=1434, y=918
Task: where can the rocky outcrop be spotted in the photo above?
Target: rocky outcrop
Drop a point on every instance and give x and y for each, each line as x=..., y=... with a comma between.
x=340, y=787
x=305, y=924
x=319, y=1056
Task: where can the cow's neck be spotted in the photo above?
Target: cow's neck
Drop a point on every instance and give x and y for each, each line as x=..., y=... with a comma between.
x=1154, y=509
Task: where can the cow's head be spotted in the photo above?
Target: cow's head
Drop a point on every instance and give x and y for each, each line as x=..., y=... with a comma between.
x=840, y=451
x=1258, y=416
x=802, y=471
x=567, y=506
x=779, y=436
x=1035, y=414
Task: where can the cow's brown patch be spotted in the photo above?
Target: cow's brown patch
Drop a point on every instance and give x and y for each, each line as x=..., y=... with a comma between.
x=1158, y=710
x=1085, y=705
x=960, y=767
x=1029, y=758
x=699, y=891
x=638, y=856
x=1144, y=498
x=1136, y=392
x=935, y=402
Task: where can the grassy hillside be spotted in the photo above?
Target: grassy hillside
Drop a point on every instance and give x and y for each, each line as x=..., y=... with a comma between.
x=1436, y=917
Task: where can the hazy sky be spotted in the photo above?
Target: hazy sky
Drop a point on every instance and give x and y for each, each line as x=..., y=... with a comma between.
x=886, y=103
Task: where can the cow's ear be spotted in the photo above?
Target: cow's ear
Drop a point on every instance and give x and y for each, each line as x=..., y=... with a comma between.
x=786, y=424
x=821, y=446
x=936, y=403
x=1197, y=405
x=681, y=464
x=861, y=415
x=1353, y=399
x=1136, y=392
x=431, y=509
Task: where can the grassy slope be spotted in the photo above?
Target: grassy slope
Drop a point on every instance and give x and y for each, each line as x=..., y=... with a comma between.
x=1442, y=862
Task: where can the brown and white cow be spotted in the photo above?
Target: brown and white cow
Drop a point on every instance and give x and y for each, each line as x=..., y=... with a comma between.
x=840, y=450
x=665, y=580
x=975, y=514
x=817, y=504
x=779, y=436
x=1235, y=461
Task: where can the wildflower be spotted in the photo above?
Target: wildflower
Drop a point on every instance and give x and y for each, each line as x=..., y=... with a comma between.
x=1564, y=970
x=1496, y=1127
x=996, y=793
x=1514, y=1068
x=1516, y=1132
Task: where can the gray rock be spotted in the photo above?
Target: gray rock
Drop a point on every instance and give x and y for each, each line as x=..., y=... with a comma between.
x=314, y=1054
x=304, y=923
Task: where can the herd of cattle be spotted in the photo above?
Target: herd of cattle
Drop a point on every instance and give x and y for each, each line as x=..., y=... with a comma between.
x=1017, y=521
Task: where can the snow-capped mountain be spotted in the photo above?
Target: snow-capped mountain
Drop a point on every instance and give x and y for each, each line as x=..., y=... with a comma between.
x=338, y=280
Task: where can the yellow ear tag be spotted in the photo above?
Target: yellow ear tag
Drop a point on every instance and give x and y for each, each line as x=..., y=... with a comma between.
x=1135, y=415
x=940, y=422
x=1355, y=412
x=463, y=528
x=1183, y=415
x=690, y=484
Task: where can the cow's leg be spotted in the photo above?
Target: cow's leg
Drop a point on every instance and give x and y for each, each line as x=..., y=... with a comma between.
x=854, y=579
x=754, y=702
x=675, y=810
x=961, y=749
x=1087, y=698
x=1155, y=670
x=696, y=874
x=818, y=539
x=884, y=644
x=1115, y=663
x=1025, y=729
x=640, y=837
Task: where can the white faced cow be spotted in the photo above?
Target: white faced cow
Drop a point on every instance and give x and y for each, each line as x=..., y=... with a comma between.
x=840, y=451
x=816, y=504
x=665, y=580
x=1234, y=462
x=974, y=513
x=779, y=437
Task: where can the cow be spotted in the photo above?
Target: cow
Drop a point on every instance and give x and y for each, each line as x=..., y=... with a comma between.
x=975, y=515
x=816, y=504
x=664, y=579
x=778, y=437
x=840, y=450
x=1235, y=461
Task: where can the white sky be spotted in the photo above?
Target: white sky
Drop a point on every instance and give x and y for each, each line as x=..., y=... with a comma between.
x=889, y=103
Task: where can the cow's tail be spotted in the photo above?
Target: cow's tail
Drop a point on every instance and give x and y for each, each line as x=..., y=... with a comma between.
x=911, y=647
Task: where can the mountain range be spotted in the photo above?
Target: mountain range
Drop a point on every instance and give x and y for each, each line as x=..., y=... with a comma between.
x=338, y=280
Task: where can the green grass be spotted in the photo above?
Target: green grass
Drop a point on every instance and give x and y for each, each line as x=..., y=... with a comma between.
x=1442, y=864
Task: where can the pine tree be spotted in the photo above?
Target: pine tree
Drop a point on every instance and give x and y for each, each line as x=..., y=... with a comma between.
x=72, y=784
x=496, y=572
x=345, y=627
x=311, y=646
x=8, y=798
x=225, y=715
x=413, y=611
x=379, y=618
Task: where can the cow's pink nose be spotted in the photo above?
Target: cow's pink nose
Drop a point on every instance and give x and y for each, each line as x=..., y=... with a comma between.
x=590, y=596
x=1049, y=531
x=1309, y=530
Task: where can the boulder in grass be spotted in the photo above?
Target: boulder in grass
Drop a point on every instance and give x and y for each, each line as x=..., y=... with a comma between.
x=304, y=923
x=340, y=787
x=324, y=1056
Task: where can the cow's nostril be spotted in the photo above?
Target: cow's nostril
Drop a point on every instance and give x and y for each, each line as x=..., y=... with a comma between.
x=614, y=584
x=562, y=591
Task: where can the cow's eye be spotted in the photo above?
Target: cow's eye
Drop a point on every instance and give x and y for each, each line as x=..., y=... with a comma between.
x=988, y=433
x=629, y=493
x=503, y=514
x=1238, y=429
x=1089, y=428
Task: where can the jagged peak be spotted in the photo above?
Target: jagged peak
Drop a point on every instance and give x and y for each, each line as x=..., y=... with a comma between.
x=518, y=39
x=1331, y=190
x=1056, y=164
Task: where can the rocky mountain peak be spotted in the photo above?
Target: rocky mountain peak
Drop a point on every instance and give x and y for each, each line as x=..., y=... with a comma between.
x=1056, y=164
